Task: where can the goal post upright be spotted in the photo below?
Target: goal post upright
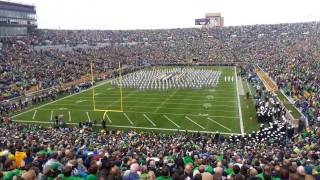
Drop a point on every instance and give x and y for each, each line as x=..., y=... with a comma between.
x=119, y=70
x=93, y=93
x=120, y=80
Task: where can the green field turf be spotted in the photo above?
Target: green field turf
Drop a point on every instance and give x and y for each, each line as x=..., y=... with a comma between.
x=295, y=113
x=172, y=110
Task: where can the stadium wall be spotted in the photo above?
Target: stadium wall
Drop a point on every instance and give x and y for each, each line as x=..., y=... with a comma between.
x=13, y=31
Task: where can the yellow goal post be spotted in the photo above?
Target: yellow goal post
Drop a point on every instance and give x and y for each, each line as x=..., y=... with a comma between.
x=119, y=70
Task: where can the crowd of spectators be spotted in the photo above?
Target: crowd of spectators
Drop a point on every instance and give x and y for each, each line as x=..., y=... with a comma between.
x=34, y=152
x=7, y=108
x=289, y=53
x=273, y=152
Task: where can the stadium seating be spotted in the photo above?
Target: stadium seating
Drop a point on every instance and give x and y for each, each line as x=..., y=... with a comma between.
x=288, y=53
x=50, y=58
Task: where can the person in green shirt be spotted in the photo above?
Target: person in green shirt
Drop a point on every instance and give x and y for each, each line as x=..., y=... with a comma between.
x=229, y=170
x=165, y=174
x=10, y=174
x=91, y=177
x=93, y=169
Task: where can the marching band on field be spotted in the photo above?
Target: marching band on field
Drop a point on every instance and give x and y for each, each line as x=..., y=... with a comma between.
x=162, y=79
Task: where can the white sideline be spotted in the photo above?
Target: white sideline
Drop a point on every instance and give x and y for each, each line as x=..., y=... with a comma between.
x=80, y=101
x=171, y=108
x=195, y=122
x=135, y=127
x=128, y=118
x=219, y=124
x=239, y=105
x=249, y=88
x=172, y=121
x=174, y=114
x=149, y=120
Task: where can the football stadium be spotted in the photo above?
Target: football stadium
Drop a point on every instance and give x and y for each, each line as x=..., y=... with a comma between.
x=110, y=95
x=212, y=108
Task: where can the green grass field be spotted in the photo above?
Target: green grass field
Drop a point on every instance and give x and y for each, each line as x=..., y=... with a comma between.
x=295, y=113
x=205, y=110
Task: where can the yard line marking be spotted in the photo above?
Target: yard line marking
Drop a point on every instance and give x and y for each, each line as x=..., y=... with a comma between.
x=151, y=96
x=89, y=119
x=240, y=86
x=69, y=116
x=51, y=115
x=102, y=83
x=171, y=121
x=195, y=122
x=34, y=114
x=219, y=124
x=128, y=118
x=248, y=87
x=149, y=120
x=130, y=94
x=193, y=100
x=63, y=108
x=165, y=101
x=106, y=115
x=171, y=108
x=148, y=112
x=239, y=105
x=136, y=127
x=80, y=101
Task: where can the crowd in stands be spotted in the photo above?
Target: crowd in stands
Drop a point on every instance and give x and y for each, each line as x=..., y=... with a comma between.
x=273, y=152
x=289, y=53
x=34, y=152
x=29, y=100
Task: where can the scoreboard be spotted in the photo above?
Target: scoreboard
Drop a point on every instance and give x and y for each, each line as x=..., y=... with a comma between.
x=211, y=20
x=202, y=21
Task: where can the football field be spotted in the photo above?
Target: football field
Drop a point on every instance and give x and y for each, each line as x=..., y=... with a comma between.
x=210, y=109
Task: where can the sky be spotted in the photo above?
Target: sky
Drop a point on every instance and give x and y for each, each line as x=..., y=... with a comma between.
x=159, y=14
